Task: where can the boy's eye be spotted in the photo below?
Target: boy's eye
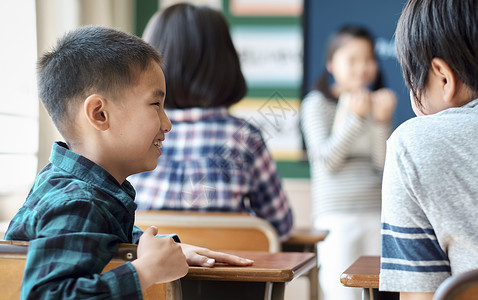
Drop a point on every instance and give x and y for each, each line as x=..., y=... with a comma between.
x=157, y=103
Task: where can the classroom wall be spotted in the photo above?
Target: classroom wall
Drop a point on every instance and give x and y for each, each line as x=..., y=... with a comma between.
x=322, y=17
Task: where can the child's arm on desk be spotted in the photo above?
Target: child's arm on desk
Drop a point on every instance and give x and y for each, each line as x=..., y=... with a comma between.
x=197, y=256
x=172, y=259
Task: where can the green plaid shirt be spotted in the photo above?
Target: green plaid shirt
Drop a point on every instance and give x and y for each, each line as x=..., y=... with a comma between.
x=74, y=217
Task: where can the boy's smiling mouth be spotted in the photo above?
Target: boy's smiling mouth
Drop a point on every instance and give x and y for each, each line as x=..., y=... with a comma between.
x=158, y=144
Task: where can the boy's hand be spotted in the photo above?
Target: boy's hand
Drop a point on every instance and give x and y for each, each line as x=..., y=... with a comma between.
x=383, y=105
x=360, y=103
x=160, y=259
x=204, y=257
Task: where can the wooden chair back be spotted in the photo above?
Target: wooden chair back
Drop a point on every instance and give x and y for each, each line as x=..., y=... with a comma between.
x=459, y=287
x=214, y=230
x=12, y=264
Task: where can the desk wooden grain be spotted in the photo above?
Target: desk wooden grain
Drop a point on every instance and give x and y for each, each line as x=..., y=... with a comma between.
x=267, y=267
x=364, y=273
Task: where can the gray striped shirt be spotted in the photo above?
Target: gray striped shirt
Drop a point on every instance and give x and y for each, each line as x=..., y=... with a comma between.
x=344, y=177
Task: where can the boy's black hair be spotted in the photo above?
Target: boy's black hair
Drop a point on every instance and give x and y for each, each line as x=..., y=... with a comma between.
x=201, y=65
x=335, y=42
x=447, y=29
x=90, y=59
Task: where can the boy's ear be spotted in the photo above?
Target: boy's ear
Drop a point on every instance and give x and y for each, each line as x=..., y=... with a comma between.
x=448, y=81
x=94, y=108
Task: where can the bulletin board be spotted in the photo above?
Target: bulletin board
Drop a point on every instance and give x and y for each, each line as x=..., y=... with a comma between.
x=268, y=36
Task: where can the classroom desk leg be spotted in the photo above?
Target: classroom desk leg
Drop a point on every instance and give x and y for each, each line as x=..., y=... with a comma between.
x=313, y=274
x=367, y=294
x=278, y=289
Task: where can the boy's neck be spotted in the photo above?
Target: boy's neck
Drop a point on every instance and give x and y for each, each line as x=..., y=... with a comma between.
x=95, y=152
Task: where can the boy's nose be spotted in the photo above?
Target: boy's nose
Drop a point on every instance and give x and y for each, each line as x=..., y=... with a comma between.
x=165, y=124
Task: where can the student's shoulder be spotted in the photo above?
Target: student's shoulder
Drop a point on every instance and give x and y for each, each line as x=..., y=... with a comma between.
x=437, y=133
x=243, y=126
x=314, y=97
x=447, y=122
x=316, y=102
x=53, y=190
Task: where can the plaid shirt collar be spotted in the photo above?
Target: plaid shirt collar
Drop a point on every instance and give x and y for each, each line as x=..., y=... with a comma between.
x=92, y=173
x=195, y=114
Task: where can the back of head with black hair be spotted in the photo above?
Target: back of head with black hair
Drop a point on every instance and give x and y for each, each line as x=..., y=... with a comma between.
x=201, y=65
x=447, y=29
x=90, y=59
x=336, y=41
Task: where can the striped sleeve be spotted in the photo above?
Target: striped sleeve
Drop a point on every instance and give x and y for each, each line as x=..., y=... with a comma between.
x=381, y=132
x=412, y=259
x=317, y=117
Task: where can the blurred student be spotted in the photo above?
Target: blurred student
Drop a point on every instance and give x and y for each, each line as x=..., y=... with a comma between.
x=213, y=161
x=430, y=190
x=346, y=122
x=104, y=90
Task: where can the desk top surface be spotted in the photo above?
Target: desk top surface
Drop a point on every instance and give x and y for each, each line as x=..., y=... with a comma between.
x=306, y=236
x=267, y=267
x=364, y=273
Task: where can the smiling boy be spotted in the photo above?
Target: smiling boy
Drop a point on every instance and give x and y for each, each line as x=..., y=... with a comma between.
x=104, y=90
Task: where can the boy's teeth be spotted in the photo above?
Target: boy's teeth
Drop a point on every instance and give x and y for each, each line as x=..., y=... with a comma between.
x=158, y=144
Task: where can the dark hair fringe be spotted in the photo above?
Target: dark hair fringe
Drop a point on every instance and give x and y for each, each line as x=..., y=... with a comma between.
x=202, y=67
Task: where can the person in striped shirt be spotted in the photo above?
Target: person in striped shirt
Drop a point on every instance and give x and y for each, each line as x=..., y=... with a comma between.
x=430, y=190
x=345, y=126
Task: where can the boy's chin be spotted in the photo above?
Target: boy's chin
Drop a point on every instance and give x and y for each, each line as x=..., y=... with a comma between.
x=150, y=167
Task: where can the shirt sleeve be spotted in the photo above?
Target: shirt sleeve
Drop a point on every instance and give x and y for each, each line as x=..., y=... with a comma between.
x=267, y=197
x=381, y=132
x=67, y=258
x=324, y=145
x=137, y=233
x=412, y=259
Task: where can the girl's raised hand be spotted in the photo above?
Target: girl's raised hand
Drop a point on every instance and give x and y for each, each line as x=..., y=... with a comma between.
x=383, y=105
x=360, y=102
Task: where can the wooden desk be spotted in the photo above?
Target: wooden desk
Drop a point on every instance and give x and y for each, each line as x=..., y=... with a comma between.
x=364, y=273
x=234, y=231
x=266, y=279
x=305, y=240
x=12, y=264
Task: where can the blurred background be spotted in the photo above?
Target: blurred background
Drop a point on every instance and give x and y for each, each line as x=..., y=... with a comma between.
x=281, y=48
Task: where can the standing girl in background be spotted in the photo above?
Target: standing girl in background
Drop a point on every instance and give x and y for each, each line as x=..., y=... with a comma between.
x=346, y=122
